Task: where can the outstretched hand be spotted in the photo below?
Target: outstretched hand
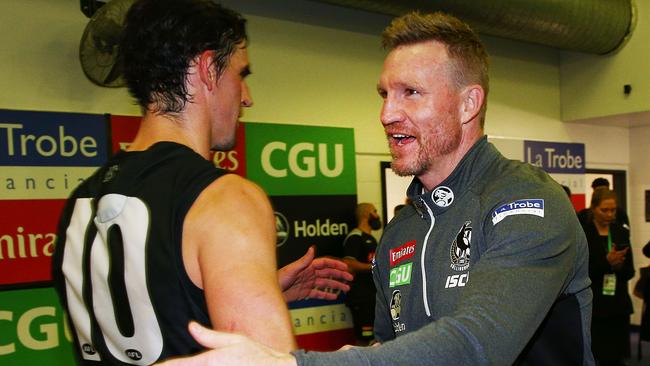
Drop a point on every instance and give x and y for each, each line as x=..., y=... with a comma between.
x=320, y=278
x=229, y=349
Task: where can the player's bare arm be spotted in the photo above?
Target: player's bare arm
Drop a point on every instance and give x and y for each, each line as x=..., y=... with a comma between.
x=229, y=252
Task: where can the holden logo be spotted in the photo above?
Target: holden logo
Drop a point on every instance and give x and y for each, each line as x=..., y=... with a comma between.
x=281, y=229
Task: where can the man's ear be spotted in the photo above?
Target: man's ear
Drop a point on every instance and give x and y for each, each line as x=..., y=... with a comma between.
x=472, y=98
x=206, y=67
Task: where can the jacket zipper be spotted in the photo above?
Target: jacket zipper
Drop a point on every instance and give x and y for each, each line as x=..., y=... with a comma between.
x=424, y=249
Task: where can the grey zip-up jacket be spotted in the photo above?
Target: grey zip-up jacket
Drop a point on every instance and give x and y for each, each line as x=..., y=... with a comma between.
x=489, y=268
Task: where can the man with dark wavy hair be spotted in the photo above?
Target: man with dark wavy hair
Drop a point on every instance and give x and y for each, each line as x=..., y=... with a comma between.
x=488, y=264
x=158, y=236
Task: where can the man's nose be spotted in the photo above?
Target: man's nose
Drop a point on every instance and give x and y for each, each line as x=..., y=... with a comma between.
x=390, y=112
x=246, y=98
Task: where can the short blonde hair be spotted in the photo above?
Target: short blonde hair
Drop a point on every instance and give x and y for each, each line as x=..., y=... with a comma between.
x=469, y=59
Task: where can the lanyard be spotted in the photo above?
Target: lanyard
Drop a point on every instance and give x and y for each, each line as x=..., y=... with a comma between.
x=609, y=240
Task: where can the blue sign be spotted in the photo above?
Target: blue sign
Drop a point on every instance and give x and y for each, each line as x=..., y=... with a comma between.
x=52, y=139
x=556, y=157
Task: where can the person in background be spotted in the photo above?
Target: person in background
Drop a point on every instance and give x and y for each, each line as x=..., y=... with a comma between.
x=488, y=265
x=610, y=268
x=642, y=291
x=621, y=216
x=158, y=236
x=358, y=253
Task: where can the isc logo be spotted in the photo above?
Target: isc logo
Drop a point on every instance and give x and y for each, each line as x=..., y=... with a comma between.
x=457, y=280
x=302, y=159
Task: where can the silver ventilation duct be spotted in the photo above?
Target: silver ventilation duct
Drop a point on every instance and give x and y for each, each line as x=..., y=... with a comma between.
x=590, y=26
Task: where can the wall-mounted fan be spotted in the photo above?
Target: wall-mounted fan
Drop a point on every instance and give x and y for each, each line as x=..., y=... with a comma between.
x=99, y=44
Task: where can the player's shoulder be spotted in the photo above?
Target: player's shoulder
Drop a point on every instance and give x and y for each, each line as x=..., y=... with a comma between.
x=234, y=186
x=514, y=186
x=354, y=235
x=232, y=192
x=512, y=179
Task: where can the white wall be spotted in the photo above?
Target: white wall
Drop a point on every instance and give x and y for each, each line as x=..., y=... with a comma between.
x=40, y=67
x=597, y=90
x=606, y=146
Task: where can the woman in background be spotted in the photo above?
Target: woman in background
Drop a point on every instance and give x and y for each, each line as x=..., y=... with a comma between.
x=610, y=269
x=642, y=291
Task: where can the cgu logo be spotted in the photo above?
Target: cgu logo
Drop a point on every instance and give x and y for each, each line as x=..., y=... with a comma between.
x=46, y=338
x=302, y=160
x=400, y=275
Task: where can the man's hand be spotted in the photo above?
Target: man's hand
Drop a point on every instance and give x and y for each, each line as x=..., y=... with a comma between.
x=230, y=349
x=320, y=278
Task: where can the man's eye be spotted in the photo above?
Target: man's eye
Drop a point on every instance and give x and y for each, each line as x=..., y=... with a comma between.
x=382, y=93
x=412, y=92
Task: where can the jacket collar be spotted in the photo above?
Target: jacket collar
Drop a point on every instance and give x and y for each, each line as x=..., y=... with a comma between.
x=444, y=196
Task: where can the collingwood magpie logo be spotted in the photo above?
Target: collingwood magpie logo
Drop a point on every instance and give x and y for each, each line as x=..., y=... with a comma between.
x=442, y=196
x=281, y=229
x=395, y=304
x=460, y=248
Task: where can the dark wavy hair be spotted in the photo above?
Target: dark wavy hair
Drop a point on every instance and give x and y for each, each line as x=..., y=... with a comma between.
x=469, y=59
x=161, y=38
